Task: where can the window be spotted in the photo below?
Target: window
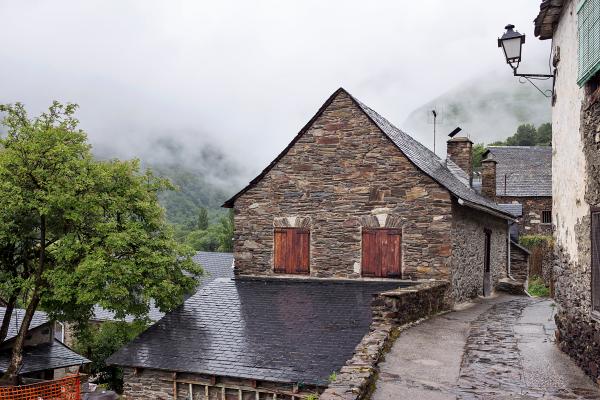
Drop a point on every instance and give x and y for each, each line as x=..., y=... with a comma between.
x=595, y=236
x=546, y=217
x=588, y=30
x=382, y=253
x=291, y=251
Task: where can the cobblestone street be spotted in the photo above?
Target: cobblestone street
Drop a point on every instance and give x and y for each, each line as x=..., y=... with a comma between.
x=499, y=348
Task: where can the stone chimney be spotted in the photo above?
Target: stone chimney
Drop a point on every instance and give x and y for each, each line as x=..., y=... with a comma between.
x=460, y=151
x=488, y=178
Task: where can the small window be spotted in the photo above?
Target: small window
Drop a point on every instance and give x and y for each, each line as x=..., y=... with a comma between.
x=381, y=253
x=291, y=251
x=546, y=217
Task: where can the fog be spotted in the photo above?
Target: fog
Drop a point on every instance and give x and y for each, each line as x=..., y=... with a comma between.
x=245, y=76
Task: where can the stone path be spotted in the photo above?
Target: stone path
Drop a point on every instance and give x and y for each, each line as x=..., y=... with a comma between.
x=499, y=348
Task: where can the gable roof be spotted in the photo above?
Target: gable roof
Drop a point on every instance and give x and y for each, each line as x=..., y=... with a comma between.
x=44, y=356
x=423, y=158
x=278, y=330
x=39, y=318
x=528, y=170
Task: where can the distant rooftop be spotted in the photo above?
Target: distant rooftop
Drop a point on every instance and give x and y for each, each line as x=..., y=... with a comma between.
x=267, y=329
x=39, y=319
x=522, y=171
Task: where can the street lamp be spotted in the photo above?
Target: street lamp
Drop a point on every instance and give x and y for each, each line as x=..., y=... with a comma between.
x=512, y=45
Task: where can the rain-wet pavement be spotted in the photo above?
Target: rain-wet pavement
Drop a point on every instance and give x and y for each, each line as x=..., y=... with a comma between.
x=498, y=348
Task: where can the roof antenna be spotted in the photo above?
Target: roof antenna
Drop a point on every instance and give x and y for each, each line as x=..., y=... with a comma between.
x=434, y=121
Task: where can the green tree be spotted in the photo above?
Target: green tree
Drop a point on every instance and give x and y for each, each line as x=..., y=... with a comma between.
x=202, y=218
x=98, y=342
x=544, y=134
x=205, y=240
x=96, y=232
x=226, y=234
x=526, y=135
x=478, y=151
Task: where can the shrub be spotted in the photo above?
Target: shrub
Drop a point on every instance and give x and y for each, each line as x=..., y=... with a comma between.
x=532, y=241
x=537, y=288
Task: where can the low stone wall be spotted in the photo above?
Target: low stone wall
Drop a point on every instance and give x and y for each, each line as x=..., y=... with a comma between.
x=519, y=262
x=392, y=312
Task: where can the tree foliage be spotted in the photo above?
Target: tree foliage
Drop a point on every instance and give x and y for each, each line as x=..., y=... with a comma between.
x=98, y=342
x=478, y=151
x=529, y=135
x=87, y=231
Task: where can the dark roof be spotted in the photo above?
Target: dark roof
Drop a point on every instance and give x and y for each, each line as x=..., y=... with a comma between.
x=39, y=319
x=423, y=158
x=274, y=330
x=215, y=265
x=513, y=208
x=528, y=170
x=548, y=17
x=44, y=356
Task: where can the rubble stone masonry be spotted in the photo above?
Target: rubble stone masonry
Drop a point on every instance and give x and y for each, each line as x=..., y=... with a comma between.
x=342, y=175
x=578, y=328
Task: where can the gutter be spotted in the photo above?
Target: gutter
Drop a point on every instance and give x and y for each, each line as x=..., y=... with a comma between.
x=485, y=209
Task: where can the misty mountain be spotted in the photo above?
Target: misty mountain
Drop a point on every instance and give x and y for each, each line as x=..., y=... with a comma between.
x=203, y=174
x=487, y=108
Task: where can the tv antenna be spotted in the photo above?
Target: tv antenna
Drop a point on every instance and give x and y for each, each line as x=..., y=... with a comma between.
x=435, y=115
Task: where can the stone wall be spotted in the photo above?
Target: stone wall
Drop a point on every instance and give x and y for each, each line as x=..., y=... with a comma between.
x=342, y=175
x=531, y=221
x=468, y=250
x=148, y=384
x=393, y=311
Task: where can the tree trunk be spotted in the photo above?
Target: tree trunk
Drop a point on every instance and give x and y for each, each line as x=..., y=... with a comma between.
x=10, y=306
x=16, y=359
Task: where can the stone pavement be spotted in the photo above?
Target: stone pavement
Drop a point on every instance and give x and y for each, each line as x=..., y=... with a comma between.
x=496, y=348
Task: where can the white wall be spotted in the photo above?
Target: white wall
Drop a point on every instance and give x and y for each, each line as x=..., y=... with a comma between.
x=568, y=163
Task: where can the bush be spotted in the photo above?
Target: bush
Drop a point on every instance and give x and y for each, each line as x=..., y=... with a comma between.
x=532, y=241
x=98, y=342
x=537, y=288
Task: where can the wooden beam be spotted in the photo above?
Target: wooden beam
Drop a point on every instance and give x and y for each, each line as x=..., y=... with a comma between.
x=174, y=375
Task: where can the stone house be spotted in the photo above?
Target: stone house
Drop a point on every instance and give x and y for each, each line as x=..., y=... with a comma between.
x=574, y=28
x=352, y=208
x=519, y=179
x=354, y=197
x=45, y=356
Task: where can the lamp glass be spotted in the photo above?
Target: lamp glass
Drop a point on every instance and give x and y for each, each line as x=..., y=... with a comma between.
x=512, y=49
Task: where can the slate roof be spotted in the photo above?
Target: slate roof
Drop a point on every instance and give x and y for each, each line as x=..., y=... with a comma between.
x=39, y=319
x=215, y=265
x=44, y=356
x=547, y=19
x=266, y=329
x=423, y=158
x=513, y=208
x=528, y=170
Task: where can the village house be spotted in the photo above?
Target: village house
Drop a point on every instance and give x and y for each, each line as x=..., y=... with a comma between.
x=574, y=28
x=45, y=356
x=351, y=208
x=519, y=179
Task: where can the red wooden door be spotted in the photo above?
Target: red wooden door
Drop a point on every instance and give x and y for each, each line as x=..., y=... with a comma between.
x=382, y=253
x=291, y=251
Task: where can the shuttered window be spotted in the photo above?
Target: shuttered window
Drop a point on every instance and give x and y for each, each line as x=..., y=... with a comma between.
x=382, y=253
x=588, y=30
x=596, y=260
x=291, y=251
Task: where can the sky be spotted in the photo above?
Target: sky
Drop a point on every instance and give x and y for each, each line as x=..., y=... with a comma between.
x=245, y=76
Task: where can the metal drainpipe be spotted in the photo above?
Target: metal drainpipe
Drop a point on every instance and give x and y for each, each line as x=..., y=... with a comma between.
x=508, y=253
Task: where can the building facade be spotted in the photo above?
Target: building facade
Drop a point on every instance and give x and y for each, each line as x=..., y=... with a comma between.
x=574, y=27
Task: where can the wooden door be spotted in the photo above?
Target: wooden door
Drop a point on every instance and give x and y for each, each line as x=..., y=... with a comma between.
x=595, y=236
x=382, y=253
x=487, y=258
x=291, y=251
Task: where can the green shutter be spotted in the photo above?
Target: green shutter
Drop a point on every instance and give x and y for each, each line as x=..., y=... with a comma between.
x=588, y=29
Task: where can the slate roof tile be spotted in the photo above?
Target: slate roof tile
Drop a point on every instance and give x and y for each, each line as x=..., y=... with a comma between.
x=275, y=330
x=39, y=319
x=44, y=356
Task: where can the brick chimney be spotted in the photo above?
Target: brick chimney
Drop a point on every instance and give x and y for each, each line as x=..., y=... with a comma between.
x=460, y=151
x=488, y=178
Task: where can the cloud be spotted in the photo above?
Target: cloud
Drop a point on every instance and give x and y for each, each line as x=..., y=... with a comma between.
x=244, y=76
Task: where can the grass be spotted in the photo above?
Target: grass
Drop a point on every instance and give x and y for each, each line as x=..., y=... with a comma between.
x=537, y=288
x=332, y=377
